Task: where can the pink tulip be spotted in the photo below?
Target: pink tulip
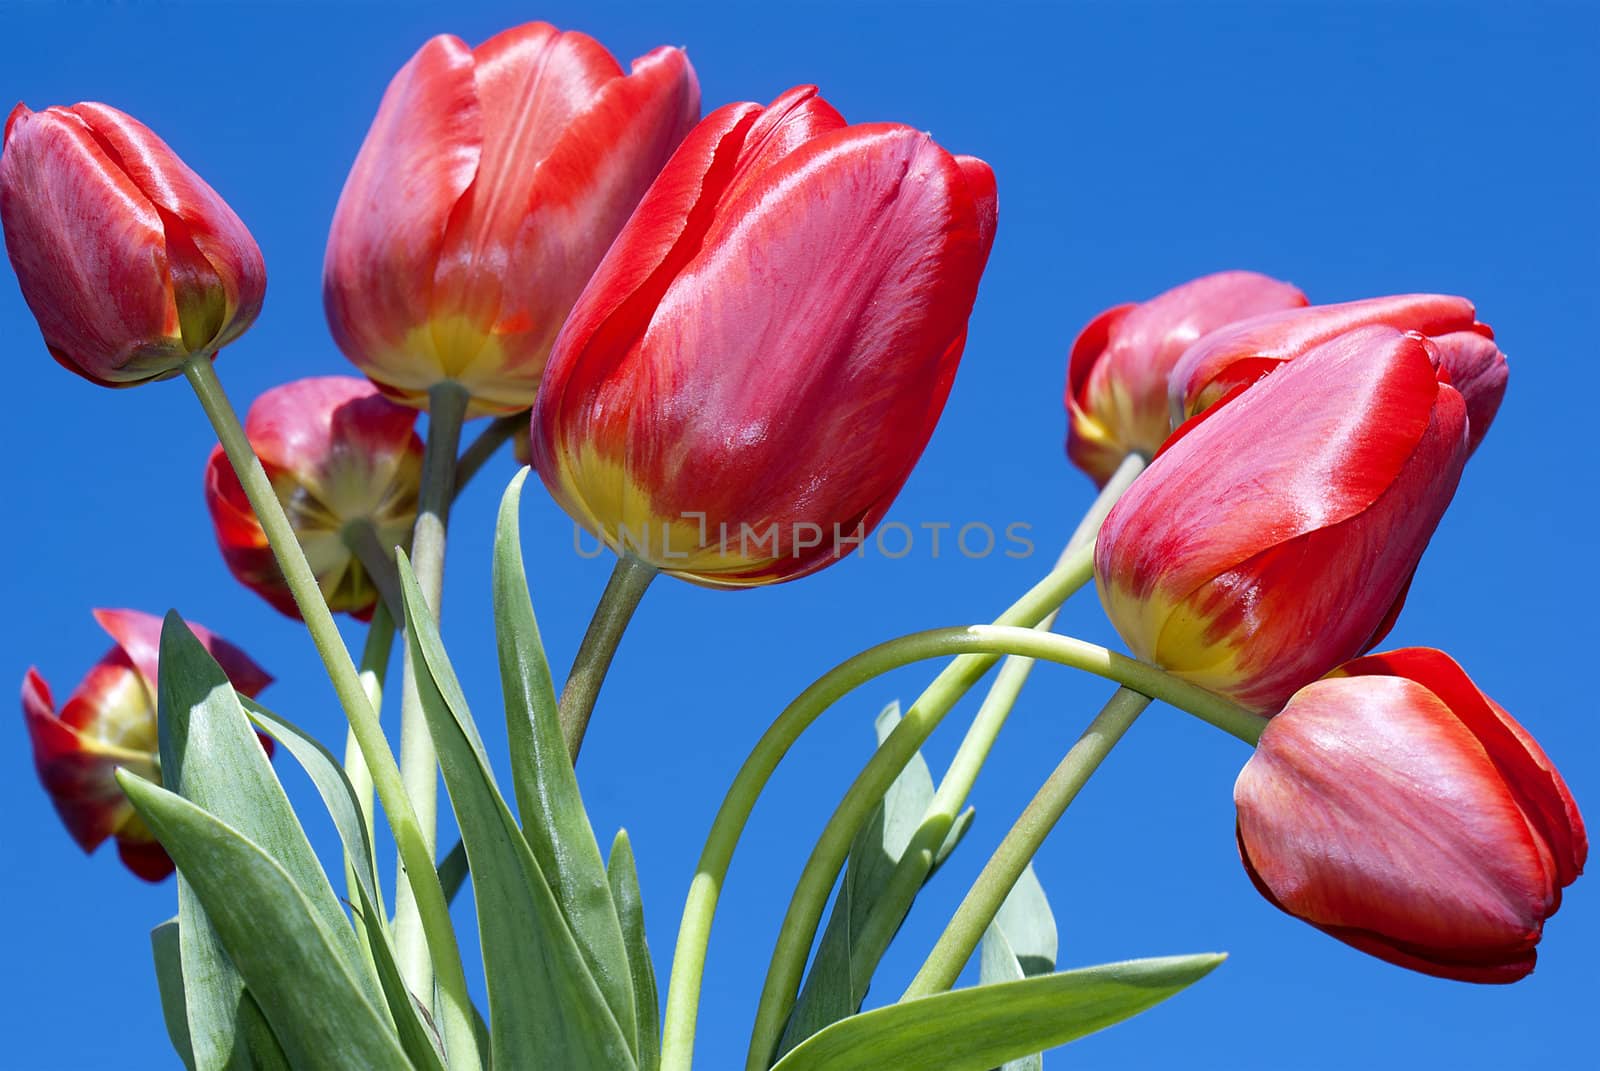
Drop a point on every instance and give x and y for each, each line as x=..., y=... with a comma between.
x=1398, y=808
x=1116, y=395
x=129, y=261
x=489, y=186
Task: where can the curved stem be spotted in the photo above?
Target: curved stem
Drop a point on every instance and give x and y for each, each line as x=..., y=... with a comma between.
x=456, y=1018
x=477, y=454
x=419, y=762
x=787, y=968
x=982, y=902
x=377, y=561
x=984, y=643
x=621, y=598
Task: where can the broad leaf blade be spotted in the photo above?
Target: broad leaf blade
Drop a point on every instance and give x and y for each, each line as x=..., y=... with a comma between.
x=169, y=979
x=275, y=937
x=1020, y=943
x=227, y=1030
x=417, y=1034
x=979, y=1028
x=624, y=878
x=545, y=1009
x=553, y=816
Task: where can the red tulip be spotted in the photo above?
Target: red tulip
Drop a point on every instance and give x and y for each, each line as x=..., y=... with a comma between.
x=110, y=722
x=761, y=357
x=1274, y=538
x=1398, y=808
x=339, y=454
x=129, y=261
x=489, y=186
x=1117, y=374
x=1242, y=353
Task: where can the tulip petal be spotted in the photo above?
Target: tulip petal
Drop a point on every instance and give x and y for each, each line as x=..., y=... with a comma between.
x=89, y=248
x=1478, y=370
x=139, y=636
x=422, y=152
x=77, y=772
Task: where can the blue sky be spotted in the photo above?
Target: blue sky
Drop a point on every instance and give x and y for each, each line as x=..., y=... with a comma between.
x=1356, y=150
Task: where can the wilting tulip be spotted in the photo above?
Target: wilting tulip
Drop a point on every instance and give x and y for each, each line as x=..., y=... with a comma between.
x=762, y=355
x=110, y=721
x=1274, y=538
x=129, y=261
x=1398, y=808
x=340, y=457
x=1116, y=395
x=1240, y=354
x=489, y=186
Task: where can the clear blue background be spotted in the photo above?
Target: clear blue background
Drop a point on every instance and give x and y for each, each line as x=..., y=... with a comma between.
x=1355, y=150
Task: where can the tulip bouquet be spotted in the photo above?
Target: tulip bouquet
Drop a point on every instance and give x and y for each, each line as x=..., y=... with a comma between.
x=668, y=317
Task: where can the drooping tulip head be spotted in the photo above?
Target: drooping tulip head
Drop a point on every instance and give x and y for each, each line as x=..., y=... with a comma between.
x=1238, y=355
x=340, y=456
x=1398, y=808
x=129, y=261
x=1274, y=538
x=489, y=186
x=110, y=722
x=762, y=355
x=1117, y=373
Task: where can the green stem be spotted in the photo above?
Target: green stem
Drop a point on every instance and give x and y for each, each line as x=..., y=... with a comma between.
x=456, y=1021
x=377, y=561
x=374, y=668
x=495, y=435
x=982, y=902
x=419, y=763
x=917, y=861
x=979, y=643
x=621, y=598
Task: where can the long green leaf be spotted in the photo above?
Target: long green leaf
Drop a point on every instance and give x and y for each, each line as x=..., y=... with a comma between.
x=169, y=980
x=553, y=816
x=840, y=972
x=624, y=878
x=974, y=1029
x=276, y=938
x=210, y=755
x=417, y=1034
x=545, y=1009
x=1020, y=943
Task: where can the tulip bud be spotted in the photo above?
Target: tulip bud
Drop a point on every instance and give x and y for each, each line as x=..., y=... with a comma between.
x=762, y=355
x=339, y=454
x=129, y=261
x=110, y=722
x=1398, y=808
x=1116, y=395
x=1240, y=354
x=489, y=186
x=1274, y=538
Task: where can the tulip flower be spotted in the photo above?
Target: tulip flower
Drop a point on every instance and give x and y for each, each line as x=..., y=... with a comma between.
x=1274, y=538
x=489, y=186
x=1116, y=394
x=1398, y=808
x=1240, y=354
x=340, y=456
x=761, y=357
x=110, y=722
x=129, y=261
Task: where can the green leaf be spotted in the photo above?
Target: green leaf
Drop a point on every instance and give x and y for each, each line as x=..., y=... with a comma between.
x=554, y=820
x=277, y=939
x=211, y=756
x=624, y=878
x=169, y=979
x=1020, y=943
x=453, y=871
x=417, y=1033
x=841, y=972
x=545, y=1008
x=978, y=1028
